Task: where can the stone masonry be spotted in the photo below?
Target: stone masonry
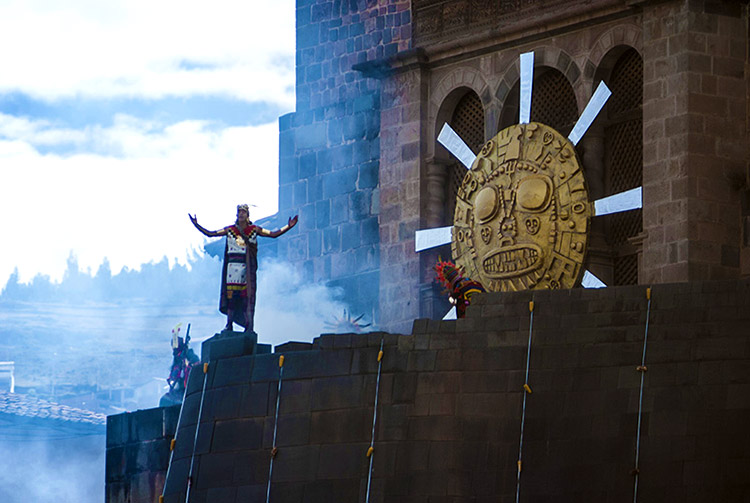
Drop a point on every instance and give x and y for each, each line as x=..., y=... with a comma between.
x=449, y=410
x=138, y=454
x=329, y=148
x=376, y=80
x=695, y=139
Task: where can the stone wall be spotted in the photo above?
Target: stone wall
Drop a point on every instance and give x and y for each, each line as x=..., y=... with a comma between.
x=695, y=139
x=450, y=406
x=403, y=109
x=329, y=148
x=138, y=454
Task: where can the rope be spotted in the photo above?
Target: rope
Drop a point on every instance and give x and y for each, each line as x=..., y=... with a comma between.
x=172, y=444
x=527, y=391
x=275, y=429
x=371, y=449
x=195, y=439
x=642, y=369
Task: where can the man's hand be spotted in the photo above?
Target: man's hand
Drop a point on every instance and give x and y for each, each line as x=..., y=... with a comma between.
x=193, y=218
x=293, y=221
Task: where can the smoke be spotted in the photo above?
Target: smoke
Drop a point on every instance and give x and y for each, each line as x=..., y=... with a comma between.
x=52, y=470
x=108, y=354
x=103, y=342
x=289, y=309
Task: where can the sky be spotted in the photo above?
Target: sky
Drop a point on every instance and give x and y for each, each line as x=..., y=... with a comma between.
x=118, y=118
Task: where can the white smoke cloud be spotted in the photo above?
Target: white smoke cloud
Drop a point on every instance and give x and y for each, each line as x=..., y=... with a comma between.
x=289, y=309
x=47, y=471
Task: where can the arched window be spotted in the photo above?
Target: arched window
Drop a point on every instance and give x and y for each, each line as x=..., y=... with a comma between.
x=463, y=111
x=624, y=161
x=467, y=121
x=553, y=102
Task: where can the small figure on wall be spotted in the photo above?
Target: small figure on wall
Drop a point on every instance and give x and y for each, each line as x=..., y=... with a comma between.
x=183, y=358
x=238, y=279
x=459, y=288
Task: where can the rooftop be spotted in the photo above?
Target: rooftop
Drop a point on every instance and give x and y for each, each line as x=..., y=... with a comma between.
x=25, y=416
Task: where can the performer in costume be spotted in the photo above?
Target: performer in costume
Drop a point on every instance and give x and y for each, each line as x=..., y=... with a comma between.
x=238, y=279
x=183, y=358
x=460, y=289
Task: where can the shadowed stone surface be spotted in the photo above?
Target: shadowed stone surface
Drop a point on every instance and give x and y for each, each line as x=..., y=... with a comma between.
x=449, y=414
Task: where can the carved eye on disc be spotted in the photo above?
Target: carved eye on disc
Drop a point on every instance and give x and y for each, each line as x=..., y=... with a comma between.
x=534, y=193
x=485, y=204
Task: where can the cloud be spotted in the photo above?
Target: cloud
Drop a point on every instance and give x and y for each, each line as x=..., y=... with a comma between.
x=126, y=192
x=75, y=113
x=129, y=48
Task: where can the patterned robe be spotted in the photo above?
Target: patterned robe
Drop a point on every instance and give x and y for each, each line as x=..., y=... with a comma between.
x=238, y=279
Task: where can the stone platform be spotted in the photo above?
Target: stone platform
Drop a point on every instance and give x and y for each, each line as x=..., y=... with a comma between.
x=450, y=407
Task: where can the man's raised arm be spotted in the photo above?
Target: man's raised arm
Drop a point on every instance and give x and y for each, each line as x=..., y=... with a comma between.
x=278, y=232
x=220, y=232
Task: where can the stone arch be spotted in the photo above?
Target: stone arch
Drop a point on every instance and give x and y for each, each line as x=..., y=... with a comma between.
x=439, y=170
x=442, y=170
x=608, y=47
x=546, y=58
x=446, y=94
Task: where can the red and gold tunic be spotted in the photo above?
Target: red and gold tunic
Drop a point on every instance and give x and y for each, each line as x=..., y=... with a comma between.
x=235, y=275
x=238, y=283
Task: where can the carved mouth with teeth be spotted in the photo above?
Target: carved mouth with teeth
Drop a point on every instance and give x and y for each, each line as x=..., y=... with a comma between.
x=512, y=261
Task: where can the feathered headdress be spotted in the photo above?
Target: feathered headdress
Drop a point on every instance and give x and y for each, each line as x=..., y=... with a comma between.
x=448, y=274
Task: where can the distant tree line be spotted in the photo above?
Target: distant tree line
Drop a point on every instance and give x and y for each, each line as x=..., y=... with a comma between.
x=198, y=281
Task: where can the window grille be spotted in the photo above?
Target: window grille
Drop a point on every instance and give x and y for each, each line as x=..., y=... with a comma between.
x=468, y=122
x=553, y=102
x=624, y=161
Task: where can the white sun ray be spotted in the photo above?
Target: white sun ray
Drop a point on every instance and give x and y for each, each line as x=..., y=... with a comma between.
x=624, y=201
x=430, y=238
x=425, y=239
x=456, y=146
x=451, y=315
x=527, y=79
x=590, y=280
x=593, y=107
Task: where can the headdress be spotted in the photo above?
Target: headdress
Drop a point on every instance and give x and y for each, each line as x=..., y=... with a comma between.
x=447, y=274
x=176, y=336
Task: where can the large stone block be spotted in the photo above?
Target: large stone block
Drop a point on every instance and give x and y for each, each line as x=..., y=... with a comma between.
x=339, y=182
x=311, y=136
x=337, y=392
x=227, y=344
x=237, y=434
x=340, y=426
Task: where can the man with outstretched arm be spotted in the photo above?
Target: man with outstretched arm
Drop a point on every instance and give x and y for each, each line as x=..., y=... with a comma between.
x=238, y=279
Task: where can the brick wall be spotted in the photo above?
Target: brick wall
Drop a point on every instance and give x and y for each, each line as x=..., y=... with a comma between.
x=450, y=400
x=695, y=139
x=329, y=148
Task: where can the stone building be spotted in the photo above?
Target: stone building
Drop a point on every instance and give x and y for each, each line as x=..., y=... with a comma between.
x=443, y=405
x=376, y=80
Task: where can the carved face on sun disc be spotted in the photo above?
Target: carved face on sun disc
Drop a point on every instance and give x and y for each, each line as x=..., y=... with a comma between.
x=522, y=212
